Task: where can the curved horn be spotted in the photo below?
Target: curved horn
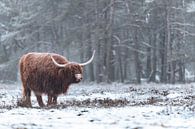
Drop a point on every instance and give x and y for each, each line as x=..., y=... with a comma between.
x=89, y=61
x=59, y=65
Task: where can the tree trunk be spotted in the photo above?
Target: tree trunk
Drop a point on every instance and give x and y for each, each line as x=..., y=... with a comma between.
x=109, y=53
x=181, y=72
x=154, y=60
x=163, y=56
x=148, y=61
x=137, y=60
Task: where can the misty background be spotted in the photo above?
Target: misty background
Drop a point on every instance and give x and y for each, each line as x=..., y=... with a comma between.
x=135, y=40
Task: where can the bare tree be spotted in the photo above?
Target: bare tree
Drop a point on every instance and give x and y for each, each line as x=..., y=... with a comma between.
x=133, y=39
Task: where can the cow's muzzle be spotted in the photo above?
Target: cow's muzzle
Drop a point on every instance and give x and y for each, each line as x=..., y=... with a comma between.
x=78, y=77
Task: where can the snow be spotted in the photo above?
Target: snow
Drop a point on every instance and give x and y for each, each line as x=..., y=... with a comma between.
x=173, y=95
x=149, y=1
x=3, y=8
x=86, y=106
x=191, y=7
x=82, y=118
x=9, y=35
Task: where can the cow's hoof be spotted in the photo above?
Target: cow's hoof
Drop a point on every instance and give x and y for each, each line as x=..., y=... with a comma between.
x=24, y=103
x=52, y=105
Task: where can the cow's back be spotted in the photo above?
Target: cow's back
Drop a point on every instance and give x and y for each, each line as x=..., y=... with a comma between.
x=32, y=62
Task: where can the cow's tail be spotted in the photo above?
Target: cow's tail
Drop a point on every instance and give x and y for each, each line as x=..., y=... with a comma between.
x=25, y=87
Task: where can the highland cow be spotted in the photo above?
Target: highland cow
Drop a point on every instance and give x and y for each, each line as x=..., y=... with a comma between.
x=48, y=73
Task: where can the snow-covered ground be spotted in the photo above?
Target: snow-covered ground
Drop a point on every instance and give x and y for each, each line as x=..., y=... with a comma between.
x=104, y=106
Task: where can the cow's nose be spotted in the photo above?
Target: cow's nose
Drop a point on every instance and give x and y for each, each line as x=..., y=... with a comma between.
x=78, y=77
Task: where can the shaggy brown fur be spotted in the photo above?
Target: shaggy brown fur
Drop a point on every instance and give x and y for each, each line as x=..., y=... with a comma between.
x=42, y=76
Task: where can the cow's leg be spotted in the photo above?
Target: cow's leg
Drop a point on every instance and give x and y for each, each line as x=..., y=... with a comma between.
x=52, y=100
x=26, y=100
x=49, y=102
x=40, y=101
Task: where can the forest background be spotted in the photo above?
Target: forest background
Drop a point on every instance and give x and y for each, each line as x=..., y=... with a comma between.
x=135, y=40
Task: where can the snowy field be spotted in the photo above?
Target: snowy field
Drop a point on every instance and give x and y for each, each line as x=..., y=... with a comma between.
x=103, y=106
